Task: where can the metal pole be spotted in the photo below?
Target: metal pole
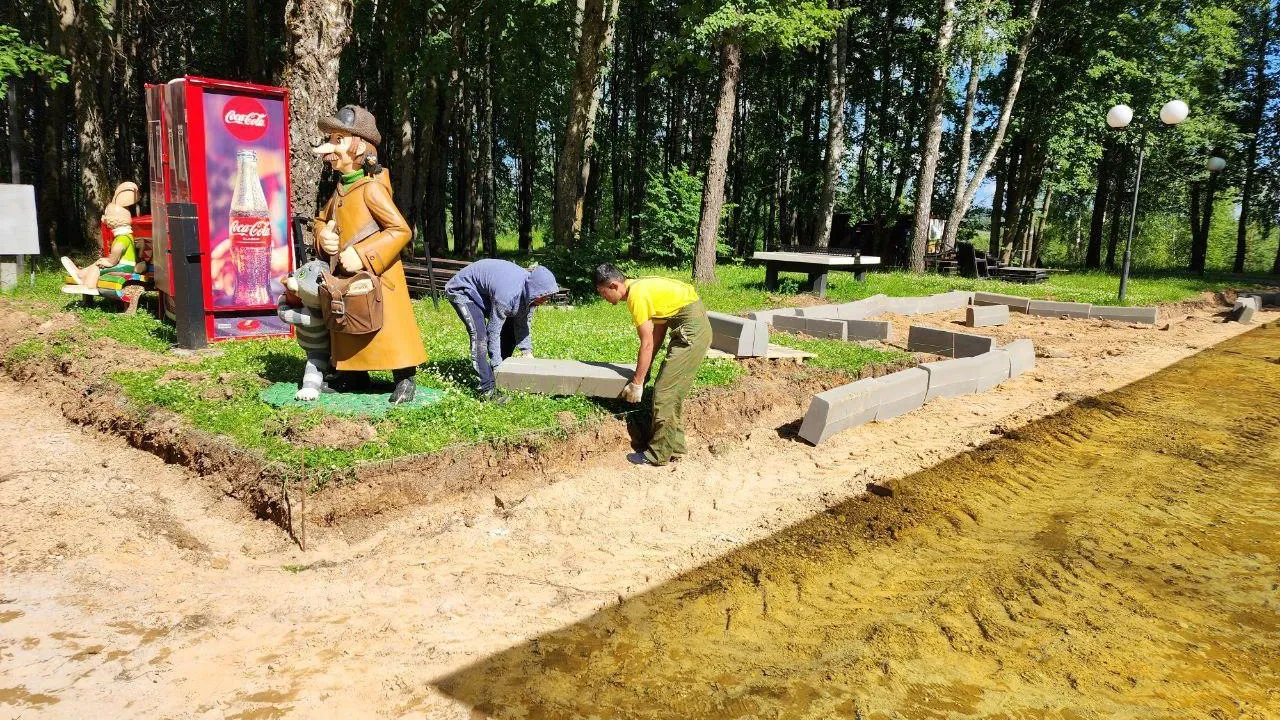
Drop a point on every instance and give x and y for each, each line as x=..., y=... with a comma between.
x=1133, y=216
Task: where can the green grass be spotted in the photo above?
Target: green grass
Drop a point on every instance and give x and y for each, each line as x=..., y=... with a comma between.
x=741, y=287
x=219, y=393
x=837, y=354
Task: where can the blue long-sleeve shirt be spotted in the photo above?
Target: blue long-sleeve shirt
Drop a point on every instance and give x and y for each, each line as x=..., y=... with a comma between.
x=504, y=291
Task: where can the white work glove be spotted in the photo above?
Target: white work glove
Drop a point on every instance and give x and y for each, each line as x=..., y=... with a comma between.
x=350, y=260
x=633, y=392
x=328, y=237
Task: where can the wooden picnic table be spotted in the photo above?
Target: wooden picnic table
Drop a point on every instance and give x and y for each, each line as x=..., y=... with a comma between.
x=816, y=266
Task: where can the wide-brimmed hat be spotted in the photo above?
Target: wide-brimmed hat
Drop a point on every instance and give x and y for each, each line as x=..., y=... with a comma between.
x=353, y=120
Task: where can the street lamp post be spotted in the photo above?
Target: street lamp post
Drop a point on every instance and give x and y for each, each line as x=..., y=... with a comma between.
x=1119, y=117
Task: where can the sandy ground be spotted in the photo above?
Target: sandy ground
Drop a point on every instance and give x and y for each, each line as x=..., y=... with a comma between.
x=130, y=589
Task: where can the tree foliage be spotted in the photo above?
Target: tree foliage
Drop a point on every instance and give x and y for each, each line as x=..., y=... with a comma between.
x=472, y=99
x=18, y=58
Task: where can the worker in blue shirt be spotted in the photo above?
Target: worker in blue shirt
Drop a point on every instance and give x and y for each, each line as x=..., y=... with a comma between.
x=492, y=296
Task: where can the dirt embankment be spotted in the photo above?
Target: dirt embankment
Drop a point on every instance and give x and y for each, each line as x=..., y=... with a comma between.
x=361, y=499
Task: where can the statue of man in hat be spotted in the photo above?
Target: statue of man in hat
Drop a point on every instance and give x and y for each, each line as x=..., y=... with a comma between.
x=360, y=228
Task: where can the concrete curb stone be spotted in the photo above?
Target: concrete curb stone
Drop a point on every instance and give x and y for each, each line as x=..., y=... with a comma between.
x=986, y=315
x=1049, y=308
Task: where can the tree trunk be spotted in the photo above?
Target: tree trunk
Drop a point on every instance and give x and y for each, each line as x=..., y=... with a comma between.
x=1037, y=238
x=1019, y=243
x=51, y=194
x=1200, y=240
x=835, y=133
x=83, y=29
x=1014, y=193
x=528, y=164
x=462, y=169
x=704, y=260
x=962, y=155
x=617, y=184
x=400, y=155
x=1093, y=253
x=437, y=175
x=254, y=65
x=642, y=140
x=786, y=218
x=1198, y=250
x=486, y=152
x=965, y=199
x=595, y=35
x=736, y=234
x=1117, y=212
x=931, y=139
x=1256, y=112
x=997, y=205
x=316, y=31
x=424, y=152
x=675, y=125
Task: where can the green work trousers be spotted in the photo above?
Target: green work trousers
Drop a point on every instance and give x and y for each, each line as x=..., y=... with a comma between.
x=688, y=338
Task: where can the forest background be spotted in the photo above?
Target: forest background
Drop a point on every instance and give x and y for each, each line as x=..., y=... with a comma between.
x=686, y=132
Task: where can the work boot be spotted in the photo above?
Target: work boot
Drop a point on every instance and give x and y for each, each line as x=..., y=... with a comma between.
x=406, y=386
x=349, y=381
x=496, y=397
x=652, y=458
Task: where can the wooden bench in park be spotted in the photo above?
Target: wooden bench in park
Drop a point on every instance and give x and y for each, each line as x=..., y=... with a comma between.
x=428, y=276
x=973, y=263
x=817, y=265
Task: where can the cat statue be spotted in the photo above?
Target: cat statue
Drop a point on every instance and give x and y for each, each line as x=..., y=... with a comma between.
x=300, y=307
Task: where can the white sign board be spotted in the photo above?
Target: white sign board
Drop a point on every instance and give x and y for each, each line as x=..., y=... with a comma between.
x=18, y=232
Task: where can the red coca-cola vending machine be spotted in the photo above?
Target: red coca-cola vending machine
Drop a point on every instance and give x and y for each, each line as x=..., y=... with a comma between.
x=219, y=155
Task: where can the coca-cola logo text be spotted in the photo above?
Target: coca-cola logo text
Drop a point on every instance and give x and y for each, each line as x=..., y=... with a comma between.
x=245, y=118
x=250, y=231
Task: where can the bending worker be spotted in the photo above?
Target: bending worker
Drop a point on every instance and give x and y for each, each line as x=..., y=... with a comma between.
x=661, y=307
x=496, y=299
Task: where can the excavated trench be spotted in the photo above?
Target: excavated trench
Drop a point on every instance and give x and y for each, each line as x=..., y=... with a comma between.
x=359, y=501
x=1118, y=559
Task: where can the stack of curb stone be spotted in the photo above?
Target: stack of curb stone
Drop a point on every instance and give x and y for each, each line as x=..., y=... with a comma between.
x=737, y=336
x=887, y=397
x=983, y=310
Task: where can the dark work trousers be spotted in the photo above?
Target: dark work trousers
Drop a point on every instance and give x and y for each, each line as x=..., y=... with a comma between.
x=472, y=317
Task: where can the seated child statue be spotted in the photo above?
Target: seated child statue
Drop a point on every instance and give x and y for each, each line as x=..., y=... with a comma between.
x=124, y=252
x=300, y=307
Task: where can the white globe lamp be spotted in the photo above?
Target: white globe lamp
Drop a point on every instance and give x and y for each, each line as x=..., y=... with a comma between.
x=1216, y=164
x=1120, y=116
x=1174, y=112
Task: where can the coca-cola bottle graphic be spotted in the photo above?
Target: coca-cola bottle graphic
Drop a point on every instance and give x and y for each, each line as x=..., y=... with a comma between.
x=250, y=230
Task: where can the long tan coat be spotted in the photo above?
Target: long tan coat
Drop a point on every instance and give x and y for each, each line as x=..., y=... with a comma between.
x=365, y=209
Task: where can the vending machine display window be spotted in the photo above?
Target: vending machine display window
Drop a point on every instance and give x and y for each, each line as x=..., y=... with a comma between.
x=220, y=204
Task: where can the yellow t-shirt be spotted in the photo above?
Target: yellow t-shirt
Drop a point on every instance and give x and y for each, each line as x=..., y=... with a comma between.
x=657, y=298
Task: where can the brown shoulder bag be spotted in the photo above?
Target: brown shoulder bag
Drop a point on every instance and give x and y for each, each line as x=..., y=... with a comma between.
x=351, y=305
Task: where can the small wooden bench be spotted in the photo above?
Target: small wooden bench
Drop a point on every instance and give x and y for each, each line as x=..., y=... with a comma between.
x=428, y=276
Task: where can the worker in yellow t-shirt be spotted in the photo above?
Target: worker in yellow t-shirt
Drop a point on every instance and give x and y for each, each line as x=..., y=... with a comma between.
x=661, y=307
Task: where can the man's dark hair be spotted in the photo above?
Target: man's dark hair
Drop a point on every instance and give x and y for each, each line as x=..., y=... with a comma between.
x=606, y=273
